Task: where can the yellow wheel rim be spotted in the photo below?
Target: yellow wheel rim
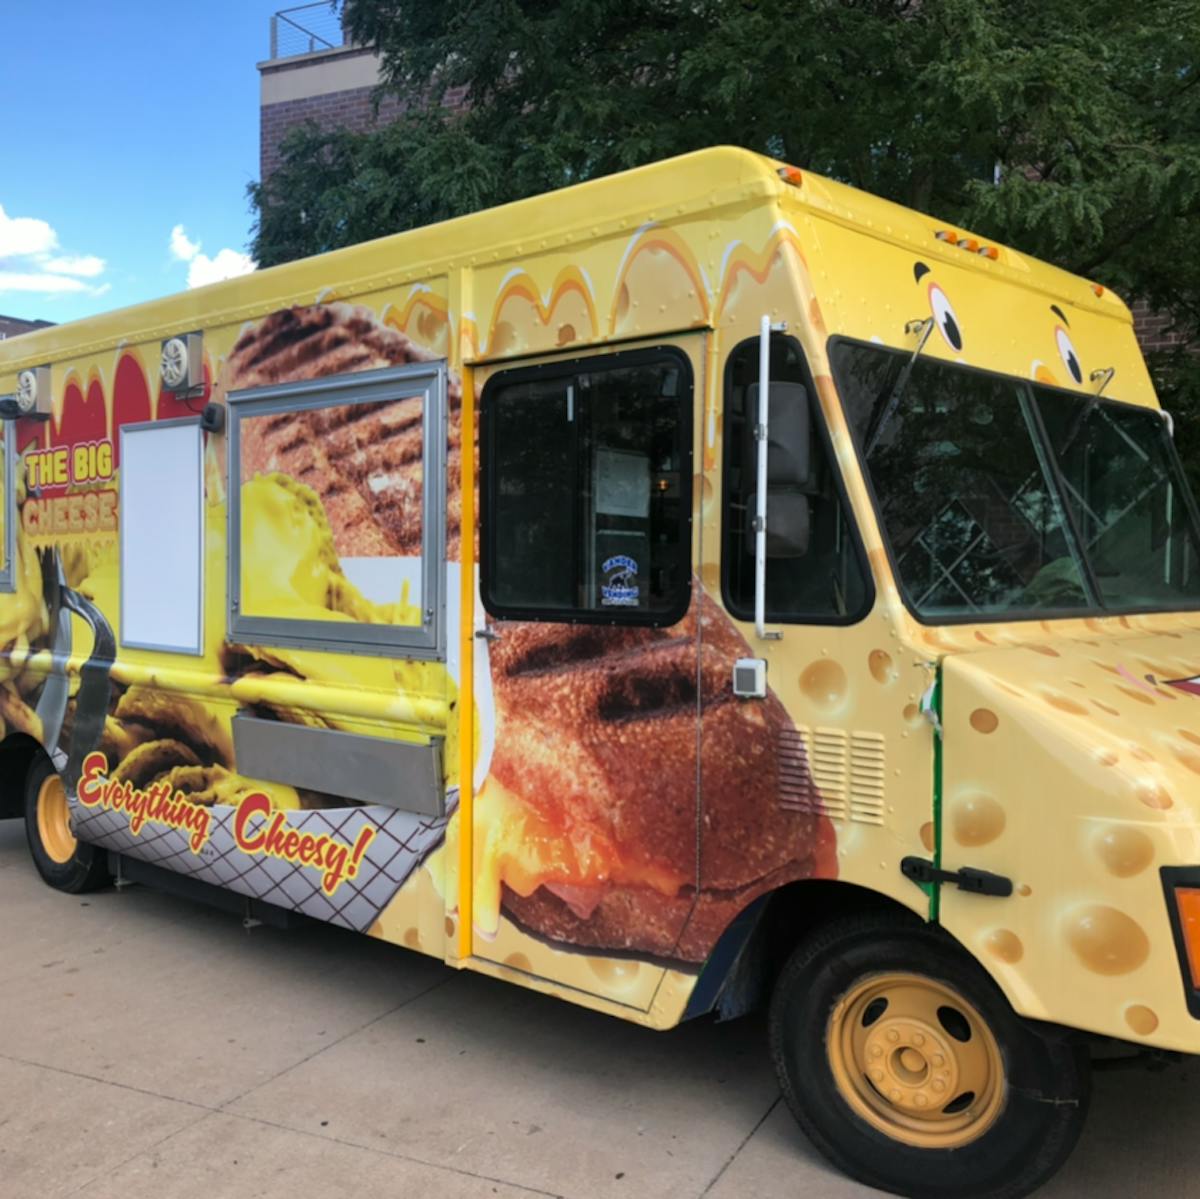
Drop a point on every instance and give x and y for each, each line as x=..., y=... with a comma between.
x=54, y=821
x=916, y=1061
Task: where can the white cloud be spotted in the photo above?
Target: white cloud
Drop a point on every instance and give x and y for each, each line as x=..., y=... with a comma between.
x=25, y=235
x=182, y=247
x=39, y=282
x=227, y=264
x=86, y=266
x=28, y=262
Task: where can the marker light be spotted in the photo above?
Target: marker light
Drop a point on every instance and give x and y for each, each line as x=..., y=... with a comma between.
x=1187, y=903
x=989, y=252
x=1098, y=288
x=968, y=243
x=792, y=175
x=946, y=235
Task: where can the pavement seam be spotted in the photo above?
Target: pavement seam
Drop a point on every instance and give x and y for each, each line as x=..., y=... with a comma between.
x=353, y=1032
x=742, y=1145
x=209, y=1111
x=393, y=1153
x=388, y=1153
x=107, y=1082
x=111, y=1170
x=321, y=1136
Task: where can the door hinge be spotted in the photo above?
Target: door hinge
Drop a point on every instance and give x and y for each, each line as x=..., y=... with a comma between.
x=977, y=882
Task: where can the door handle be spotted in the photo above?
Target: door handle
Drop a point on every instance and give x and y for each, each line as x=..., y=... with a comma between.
x=487, y=634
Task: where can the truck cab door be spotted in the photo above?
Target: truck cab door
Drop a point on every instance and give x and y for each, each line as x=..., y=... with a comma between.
x=799, y=759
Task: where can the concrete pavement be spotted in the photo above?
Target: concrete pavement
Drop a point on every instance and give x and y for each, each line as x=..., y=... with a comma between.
x=150, y=1047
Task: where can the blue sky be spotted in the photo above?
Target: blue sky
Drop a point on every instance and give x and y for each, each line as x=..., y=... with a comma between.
x=120, y=121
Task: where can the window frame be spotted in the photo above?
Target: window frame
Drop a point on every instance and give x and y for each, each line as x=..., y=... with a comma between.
x=821, y=438
x=12, y=463
x=566, y=368
x=1012, y=615
x=424, y=641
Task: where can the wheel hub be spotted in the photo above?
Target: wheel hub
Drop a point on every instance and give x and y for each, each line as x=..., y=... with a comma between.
x=910, y=1064
x=914, y=1059
x=54, y=821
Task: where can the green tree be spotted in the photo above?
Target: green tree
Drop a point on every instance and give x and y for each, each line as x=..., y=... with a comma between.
x=1069, y=130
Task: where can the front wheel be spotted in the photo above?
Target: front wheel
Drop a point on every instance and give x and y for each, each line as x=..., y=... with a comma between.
x=65, y=863
x=906, y=1066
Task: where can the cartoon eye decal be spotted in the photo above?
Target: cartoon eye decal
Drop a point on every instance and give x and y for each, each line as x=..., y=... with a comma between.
x=944, y=317
x=1067, y=352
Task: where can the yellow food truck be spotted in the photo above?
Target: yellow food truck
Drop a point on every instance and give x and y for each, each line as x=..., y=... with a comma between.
x=701, y=587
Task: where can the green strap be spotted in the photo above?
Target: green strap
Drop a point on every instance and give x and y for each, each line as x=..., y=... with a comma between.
x=934, y=889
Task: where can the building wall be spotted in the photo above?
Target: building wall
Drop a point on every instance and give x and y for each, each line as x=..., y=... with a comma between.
x=333, y=88
x=1153, y=329
x=12, y=326
x=349, y=109
x=330, y=87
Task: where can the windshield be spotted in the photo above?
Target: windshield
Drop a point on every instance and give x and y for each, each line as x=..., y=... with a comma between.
x=999, y=497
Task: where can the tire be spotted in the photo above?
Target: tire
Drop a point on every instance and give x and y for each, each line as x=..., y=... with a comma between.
x=1012, y=1097
x=63, y=862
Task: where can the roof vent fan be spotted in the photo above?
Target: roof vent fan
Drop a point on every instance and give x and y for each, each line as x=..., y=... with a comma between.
x=33, y=392
x=182, y=363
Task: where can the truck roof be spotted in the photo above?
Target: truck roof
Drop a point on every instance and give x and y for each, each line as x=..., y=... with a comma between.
x=705, y=181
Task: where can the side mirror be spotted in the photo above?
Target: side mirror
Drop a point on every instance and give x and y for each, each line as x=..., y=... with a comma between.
x=790, y=475
x=787, y=524
x=789, y=438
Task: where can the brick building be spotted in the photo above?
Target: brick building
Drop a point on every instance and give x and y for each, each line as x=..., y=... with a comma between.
x=312, y=74
x=13, y=326
x=1152, y=329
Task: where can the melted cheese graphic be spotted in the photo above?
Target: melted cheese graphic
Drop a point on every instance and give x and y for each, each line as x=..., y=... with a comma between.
x=291, y=570
x=290, y=567
x=518, y=848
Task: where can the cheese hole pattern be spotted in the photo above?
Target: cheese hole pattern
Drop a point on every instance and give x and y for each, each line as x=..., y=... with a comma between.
x=1105, y=940
x=1125, y=851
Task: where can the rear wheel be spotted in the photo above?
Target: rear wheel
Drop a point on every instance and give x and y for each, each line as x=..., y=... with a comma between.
x=907, y=1067
x=63, y=861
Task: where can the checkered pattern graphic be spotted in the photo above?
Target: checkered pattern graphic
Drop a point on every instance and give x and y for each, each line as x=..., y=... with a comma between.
x=402, y=842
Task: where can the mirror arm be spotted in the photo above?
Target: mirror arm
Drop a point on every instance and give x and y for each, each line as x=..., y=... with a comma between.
x=1103, y=376
x=763, y=416
x=923, y=329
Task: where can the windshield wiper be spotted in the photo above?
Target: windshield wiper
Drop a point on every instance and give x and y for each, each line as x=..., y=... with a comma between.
x=925, y=328
x=1081, y=418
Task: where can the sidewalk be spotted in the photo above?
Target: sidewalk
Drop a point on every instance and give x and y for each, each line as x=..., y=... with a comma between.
x=152, y=1048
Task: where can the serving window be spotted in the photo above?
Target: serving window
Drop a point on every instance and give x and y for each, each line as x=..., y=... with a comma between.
x=587, y=489
x=336, y=512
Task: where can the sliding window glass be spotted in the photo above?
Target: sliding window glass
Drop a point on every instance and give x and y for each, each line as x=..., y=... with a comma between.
x=587, y=490
x=336, y=516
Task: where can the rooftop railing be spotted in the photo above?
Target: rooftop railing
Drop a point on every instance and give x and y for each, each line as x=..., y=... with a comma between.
x=306, y=29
